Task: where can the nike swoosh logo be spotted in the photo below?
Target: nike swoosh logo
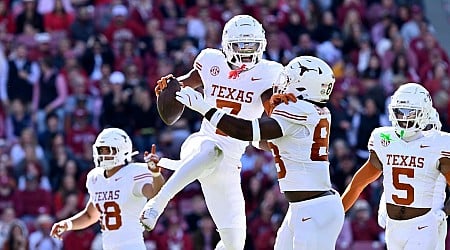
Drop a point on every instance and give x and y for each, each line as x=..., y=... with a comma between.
x=421, y=227
x=305, y=219
x=118, y=178
x=255, y=79
x=424, y=146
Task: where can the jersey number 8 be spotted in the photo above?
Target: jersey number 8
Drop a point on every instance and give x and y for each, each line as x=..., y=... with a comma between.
x=319, y=149
x=110, y=218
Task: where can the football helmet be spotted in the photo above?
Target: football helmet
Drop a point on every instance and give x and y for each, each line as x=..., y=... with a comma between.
x=435, y=121
x=410, y=109
x=308, y=78
x=243, y=41
x=120, y=148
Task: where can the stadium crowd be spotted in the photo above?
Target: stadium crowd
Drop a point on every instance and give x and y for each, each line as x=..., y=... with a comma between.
x=69, y=68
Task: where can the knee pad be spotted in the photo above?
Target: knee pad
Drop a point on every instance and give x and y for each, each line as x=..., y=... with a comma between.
x=201, y=147
x=211, y=149
x=231, y=239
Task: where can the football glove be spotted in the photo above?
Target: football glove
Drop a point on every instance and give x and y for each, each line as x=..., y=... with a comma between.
x=162, y=83
x=193, y=99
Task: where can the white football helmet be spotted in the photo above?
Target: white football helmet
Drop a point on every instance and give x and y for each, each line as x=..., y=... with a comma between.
x=410, y=109
x=307, y=77
x=120, y=148
x=435, y=122
x=243, y=41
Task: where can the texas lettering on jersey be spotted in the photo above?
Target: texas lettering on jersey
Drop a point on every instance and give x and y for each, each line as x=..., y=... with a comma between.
x=409, y=167
x=238, y=95
x=106, y=195
x=405, y=160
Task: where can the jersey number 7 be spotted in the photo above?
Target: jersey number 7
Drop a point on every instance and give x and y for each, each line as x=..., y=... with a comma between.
x=229, y=107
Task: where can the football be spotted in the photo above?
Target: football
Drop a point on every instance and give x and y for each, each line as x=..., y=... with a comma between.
x=169, y=108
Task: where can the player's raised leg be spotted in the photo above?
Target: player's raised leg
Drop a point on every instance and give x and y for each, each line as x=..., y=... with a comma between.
x=201, y=156
x=225, y=202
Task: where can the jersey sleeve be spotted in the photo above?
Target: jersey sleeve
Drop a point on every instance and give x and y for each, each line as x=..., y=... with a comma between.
x=371, y=143
x=381, y=136
x=201, y=58
x=289, y=117
x=141, y=176
x=445, y=151
x=89, y=181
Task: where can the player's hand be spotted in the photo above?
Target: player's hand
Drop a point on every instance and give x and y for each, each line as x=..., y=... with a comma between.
x=58, y=229
x=279, y=98
x=162, y=83
x=152, y=160
x=193, y=99
x=276, y=99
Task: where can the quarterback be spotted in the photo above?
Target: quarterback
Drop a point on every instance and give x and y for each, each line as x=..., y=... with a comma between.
x=236, y=80
x=298, y=135
x=118, y=190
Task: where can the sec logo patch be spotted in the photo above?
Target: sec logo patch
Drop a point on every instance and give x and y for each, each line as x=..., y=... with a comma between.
x=214, y=70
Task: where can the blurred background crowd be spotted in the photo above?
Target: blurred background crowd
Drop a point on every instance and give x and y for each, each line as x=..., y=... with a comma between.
x=69, y=68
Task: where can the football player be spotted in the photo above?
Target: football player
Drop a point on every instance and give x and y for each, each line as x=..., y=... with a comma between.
x=118, y=189
x=411, y=161
x=236, y=80
x=298, y=134
x=439, y=195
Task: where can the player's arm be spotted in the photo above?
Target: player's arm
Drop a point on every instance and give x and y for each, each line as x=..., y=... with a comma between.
x=247, y=130
x=367, y=174
x=81, y=220
x=149, y=190
x=265, y=98
x=444, y=167
x=191, y=79
x=264, y=128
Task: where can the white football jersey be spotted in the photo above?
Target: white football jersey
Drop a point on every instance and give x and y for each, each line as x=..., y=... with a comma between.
x=119, y=200
x=240, y=96
x=301, y=155
x=410, y=169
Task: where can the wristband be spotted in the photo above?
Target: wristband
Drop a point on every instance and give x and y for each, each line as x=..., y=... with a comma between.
x=256, y=131
x=69, y=224
x=156, y=174
x=215, y=119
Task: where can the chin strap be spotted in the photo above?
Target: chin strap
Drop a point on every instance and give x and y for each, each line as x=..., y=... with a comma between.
x=235, y=72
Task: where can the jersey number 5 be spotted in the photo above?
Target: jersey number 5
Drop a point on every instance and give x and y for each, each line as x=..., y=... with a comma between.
x=110, y=216
x=409, y=172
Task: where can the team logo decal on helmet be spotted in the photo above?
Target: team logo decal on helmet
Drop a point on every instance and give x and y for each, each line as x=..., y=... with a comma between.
x=307, y=77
